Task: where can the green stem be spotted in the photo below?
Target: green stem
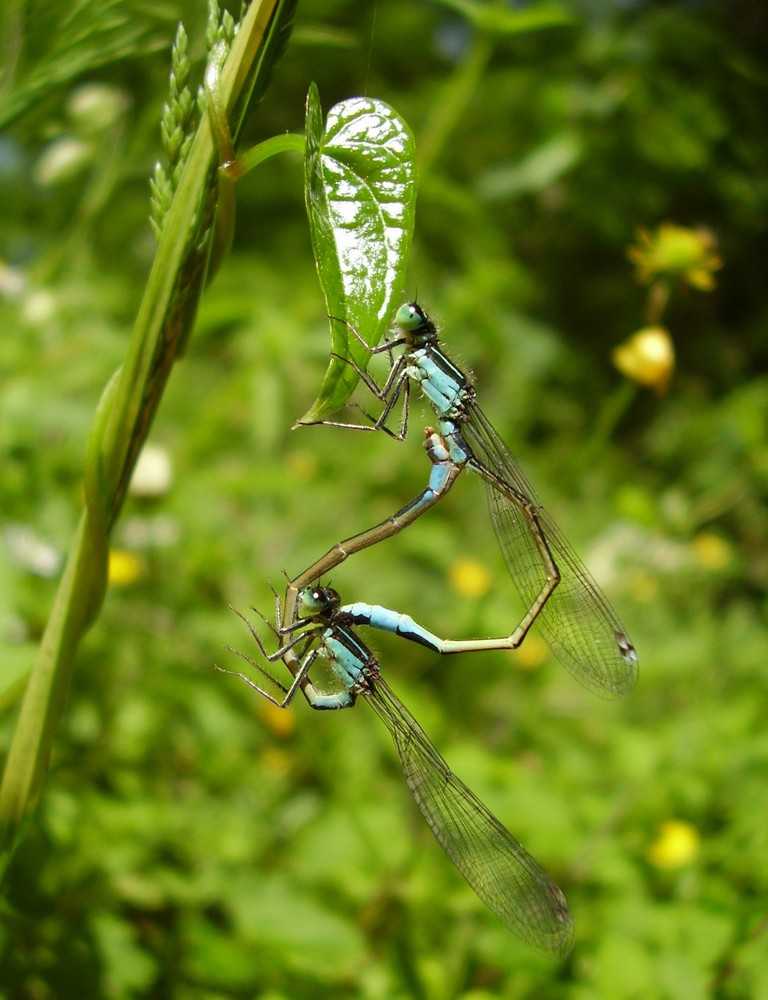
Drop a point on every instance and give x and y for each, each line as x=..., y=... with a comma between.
x=291, y=142
x=232, y=167
x=121, y=425
x=452, y=101
x=613, y=409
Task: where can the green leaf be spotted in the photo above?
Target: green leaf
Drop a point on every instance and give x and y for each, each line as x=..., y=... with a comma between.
x=361, y=201
x=300, y=933
x=498, y=20
x=45, y=47
x=547, y=164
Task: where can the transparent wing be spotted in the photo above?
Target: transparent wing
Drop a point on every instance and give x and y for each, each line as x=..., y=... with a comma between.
x=577, y=621
x=495, y=865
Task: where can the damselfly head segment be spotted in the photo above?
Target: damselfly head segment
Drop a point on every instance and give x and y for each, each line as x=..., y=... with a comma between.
x=316, y=601
x=413, y=321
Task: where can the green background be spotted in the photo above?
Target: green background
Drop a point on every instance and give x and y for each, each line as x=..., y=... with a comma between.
x=189, y=841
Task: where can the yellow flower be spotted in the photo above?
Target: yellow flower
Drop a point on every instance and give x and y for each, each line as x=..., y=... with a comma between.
x=279, y=720
x=648, y=357
x=676, y=844
x=676, y=252
x=711, y=551
x=125, y=568
x=469, y=578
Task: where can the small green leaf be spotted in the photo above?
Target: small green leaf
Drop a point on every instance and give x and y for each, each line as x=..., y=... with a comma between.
x=498, y=20
x=361, y=200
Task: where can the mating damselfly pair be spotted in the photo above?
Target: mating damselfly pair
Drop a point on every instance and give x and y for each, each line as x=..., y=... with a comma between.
x=558, y=592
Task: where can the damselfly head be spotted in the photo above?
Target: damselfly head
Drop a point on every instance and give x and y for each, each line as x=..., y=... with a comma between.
x=318, y=601
x=412, y=319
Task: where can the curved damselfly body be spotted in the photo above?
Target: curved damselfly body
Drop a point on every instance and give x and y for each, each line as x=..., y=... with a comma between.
x=497, y=867
x=558, y=591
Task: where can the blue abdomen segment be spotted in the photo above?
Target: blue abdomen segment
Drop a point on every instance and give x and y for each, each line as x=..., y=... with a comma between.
x=375, y=616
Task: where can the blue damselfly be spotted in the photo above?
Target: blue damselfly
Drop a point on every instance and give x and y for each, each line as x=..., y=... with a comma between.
x=497, y=867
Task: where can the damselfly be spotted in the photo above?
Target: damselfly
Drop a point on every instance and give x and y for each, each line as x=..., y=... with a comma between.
x=498, y=868
x=558, y=591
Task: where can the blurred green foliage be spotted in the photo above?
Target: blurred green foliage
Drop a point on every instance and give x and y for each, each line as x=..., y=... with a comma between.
x=191, y=842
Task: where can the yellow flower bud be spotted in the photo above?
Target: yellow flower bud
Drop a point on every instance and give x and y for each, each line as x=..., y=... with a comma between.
x=125, y=568
x=676, y=844
x=648, y=357
x=281, y=722
x=469, y=578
